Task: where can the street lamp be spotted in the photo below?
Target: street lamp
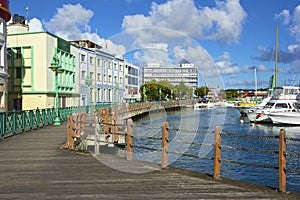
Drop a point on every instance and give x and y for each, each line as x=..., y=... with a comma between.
x=88, y=82
x=57, y=69
x=116, y=91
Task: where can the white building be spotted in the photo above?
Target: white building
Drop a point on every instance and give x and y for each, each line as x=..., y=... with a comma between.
x=131, y=83
x=5, y=16
x=186, y=73
x=101, y=75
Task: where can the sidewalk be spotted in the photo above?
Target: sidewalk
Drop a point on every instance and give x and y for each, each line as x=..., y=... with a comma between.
x=33, y=166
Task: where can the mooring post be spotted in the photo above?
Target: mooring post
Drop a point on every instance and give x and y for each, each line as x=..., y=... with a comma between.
x=129, y=139
x=164, y=155
x=282, y=161
x=217, y=153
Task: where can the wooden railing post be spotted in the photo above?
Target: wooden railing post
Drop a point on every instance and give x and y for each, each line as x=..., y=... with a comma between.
x=129, y=139
x=69, y=132
x=106, y=128
x=282, y=161
x=97, y=135
x=164, y=155
x=217, y=153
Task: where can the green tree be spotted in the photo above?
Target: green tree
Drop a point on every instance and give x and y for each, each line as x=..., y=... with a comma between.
x=232, y=93
x=181, y=90
x=201, y=91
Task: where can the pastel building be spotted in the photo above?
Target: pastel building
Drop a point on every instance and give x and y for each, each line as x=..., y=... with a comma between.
x=32, y=84
x=101, y=75
x=5, y=16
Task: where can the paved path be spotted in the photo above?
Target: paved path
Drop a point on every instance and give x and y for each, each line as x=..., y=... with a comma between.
x=33, y=166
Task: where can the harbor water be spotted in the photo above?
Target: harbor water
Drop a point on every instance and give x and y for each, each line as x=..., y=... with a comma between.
x=190, y=128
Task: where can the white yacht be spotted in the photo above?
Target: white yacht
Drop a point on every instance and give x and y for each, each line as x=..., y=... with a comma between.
x=288, y=118
x=283, y=100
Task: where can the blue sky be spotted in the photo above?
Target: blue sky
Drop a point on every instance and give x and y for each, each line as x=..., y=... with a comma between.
x=226, y=40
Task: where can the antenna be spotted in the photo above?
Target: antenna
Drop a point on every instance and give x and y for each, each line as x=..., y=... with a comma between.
x=26, y=18
x=276, y=58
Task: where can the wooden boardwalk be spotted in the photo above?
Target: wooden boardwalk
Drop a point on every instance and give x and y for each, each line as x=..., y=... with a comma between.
x=33, y=166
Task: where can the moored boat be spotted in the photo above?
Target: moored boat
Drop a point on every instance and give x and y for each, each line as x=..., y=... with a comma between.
x=283, y=100
x=288, y=118
x=202, y=105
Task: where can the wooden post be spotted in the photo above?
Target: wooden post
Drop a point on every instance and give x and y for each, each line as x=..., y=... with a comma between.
x=83, y=123
x=69, y=132
x=97, y=135
x=282, y=161
x=129, y=139
x=164, y=155
x=106, y=128
x=217, y=153
x=114, y=126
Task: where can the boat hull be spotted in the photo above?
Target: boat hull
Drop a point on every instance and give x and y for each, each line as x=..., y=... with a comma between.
x=290, y=118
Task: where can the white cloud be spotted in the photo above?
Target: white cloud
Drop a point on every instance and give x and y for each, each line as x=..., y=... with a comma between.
x=70, y=25
x=178, y=23
x=295, y=27
x=292, y=48
x=226, y=66
x=35, y=25
x=284, y=16
x=222, y=23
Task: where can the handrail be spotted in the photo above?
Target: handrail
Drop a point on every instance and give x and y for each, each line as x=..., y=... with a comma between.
x=18, y=121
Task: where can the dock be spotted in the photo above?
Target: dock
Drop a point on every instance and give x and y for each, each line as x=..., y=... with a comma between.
x=34, y=165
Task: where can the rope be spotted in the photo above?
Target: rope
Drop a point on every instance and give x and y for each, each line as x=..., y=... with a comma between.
x=250, y=136
x=147, y=137
x=292, y=154
x=189, y=131
x=250, y=150
x=190, y=155
x=249, y=164
x=147, y=148
x=293, y=139
x=293, y=171
x=149, y=127
x=192, y=143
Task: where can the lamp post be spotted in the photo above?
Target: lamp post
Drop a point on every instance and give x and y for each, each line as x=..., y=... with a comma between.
x=88, y=82
x=56, y=68
x=116, y=93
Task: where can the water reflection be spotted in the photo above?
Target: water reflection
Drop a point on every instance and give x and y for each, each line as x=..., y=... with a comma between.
x=229, y=120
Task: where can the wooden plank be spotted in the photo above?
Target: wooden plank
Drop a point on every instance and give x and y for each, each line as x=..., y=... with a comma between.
x=34, y=167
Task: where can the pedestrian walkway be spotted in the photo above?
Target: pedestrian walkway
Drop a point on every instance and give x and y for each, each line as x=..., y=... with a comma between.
x=34, y=166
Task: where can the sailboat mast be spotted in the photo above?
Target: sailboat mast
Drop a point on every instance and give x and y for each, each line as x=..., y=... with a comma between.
x=276, y=58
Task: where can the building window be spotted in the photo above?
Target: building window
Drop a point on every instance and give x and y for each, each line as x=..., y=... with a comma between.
x=19, y=54
x=91, y=60
x=83, y=74
x=18, y=72
x=98, y=94
x=82, y=58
